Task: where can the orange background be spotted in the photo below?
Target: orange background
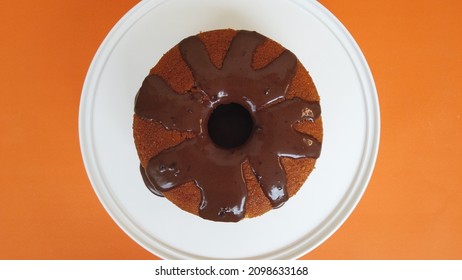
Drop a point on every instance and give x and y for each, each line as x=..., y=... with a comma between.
x=412, y=208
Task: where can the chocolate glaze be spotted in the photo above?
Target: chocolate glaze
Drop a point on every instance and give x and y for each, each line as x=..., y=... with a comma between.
x=217, y=171
x=148, y=183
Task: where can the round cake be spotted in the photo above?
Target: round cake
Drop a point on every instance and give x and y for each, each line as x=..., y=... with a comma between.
x=227, y=125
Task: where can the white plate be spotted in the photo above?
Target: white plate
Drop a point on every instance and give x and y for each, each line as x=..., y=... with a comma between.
x=350, y=115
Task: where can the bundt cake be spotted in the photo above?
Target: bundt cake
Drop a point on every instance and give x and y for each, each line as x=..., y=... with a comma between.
x=227, y=125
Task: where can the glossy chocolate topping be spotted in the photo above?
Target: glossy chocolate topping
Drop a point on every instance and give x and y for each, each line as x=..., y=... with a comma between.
x=268, y=132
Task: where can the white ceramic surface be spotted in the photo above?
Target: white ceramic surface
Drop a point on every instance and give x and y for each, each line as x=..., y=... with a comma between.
x=350, y=114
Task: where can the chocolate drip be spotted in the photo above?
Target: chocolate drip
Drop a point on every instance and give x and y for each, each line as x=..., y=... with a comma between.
x=275, y=138
x=217, y=171
x=237, y=79
x=148, y=183
x=157, y=101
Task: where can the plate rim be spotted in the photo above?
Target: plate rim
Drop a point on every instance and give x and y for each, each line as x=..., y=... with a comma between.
x=298, y=248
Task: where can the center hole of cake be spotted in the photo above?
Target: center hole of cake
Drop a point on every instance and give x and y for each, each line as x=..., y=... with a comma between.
x=230, y=125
